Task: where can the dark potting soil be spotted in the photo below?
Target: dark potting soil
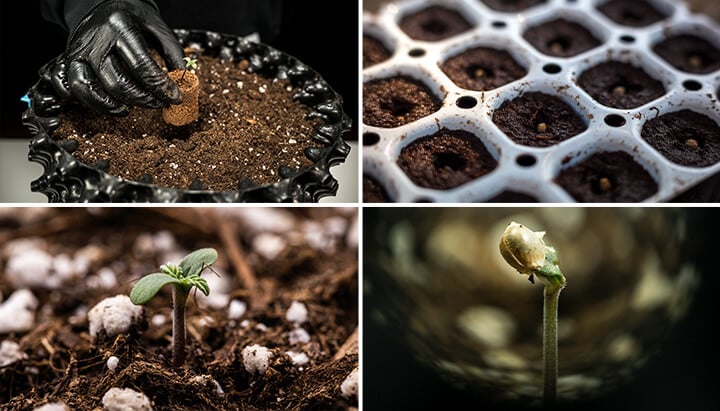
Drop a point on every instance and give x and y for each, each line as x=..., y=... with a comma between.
x=509, y=196
x=684, y=137
x=306, y=255
x=434, y=23
x=482, y=68
x=249, y=126
x=395, y=101
x=537, y=119
x=620, y=85
x=561, y=38
x=607, y=177
x=689, y=53
x=373, y=51
x=512, y=5
x=635, y=13
x=446, y=159
x=373, y=191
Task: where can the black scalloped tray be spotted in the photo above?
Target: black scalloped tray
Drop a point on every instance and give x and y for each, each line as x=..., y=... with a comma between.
x=66, y=180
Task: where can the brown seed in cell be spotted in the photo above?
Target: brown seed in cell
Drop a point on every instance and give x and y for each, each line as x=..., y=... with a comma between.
x=692, y=143
x=605, y=185
x=695, y=61
x=541, y=128
x=556, y=47
x=619, y=90
x=479, y=73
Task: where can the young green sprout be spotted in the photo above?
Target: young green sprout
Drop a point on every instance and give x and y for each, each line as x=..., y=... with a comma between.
x=183, y=277
x=189, y=62
x=526, y=252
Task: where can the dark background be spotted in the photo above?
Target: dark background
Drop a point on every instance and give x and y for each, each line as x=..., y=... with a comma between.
x=322, y=35
x=682, y=376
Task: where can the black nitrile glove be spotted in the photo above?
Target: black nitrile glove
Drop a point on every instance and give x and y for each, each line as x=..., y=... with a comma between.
x=108, y=64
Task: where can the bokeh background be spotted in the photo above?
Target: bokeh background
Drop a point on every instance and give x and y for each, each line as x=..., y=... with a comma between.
x=681, y=355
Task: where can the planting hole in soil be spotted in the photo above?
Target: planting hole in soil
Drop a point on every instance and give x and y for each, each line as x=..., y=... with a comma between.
x=278, y=329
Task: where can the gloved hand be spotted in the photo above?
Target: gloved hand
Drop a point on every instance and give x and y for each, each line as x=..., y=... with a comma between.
x=108, y=64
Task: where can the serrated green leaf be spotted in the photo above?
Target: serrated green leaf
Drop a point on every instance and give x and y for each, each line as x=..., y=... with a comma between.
x=145, y=289
x=198, y=260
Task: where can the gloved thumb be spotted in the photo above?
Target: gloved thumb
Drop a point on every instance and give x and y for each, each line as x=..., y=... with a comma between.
x=170, y=48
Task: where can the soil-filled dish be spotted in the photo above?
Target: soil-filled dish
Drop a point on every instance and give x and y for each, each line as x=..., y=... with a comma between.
x=374, y=51
x=373, y=191
x=561, y=38
x=537, y=119
x=620, y=85
x=635, y=13
x=285, y=285
x=434, y=23
x=269, y=129
x=689, y=53
x=684, y=137
x=607, y=177
x=446, y=159
x=395, y=101
x=482, y=68
x=512, y=5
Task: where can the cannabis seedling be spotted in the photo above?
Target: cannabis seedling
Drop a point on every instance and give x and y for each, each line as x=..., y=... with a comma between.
x=183, y=277
x=526, y=252
x=189, y=62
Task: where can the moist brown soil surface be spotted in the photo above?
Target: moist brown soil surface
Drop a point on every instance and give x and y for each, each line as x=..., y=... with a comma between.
x=561, y=38
x=538, y=120
x=446, y=159
x=307, y=255
x=635, y=13
x=684, y=137
x=689, y=53
x=395, y=101
x=373, y=191
x=482, y=68
x=248, y=127
x=374, y=51
x=608, y=177
x=509, y=196
x=512, y=5
x=620, y=85
x=434, y=23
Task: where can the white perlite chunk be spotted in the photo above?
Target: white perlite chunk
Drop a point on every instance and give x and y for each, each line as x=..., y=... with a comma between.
x=125, y=399
x=10, y=352
x=237, y=309
x=298, y=335
x=30, y=268
x=115, y=315
x=113, y=362
x=53, y=406
x=17, y=313
x=349, y=387
x=297, y=313
x=256, y=358
x=298, y=358
x=269, y=245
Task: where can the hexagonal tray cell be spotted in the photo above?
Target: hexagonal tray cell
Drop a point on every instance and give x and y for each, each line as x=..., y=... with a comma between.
x=607, y=177
x=482, y=68
x=434, y=23
x=512, y=6
x=373, y=191
x=538, y=119
x=689, y=53
x=561, y=37
x=684, y=137
x=620, y=85
x=446, y=159
x=374, y=51
x=632, y=13
x=395, y=101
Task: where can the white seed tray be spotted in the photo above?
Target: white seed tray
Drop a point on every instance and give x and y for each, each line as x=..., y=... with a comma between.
x=505, y=31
